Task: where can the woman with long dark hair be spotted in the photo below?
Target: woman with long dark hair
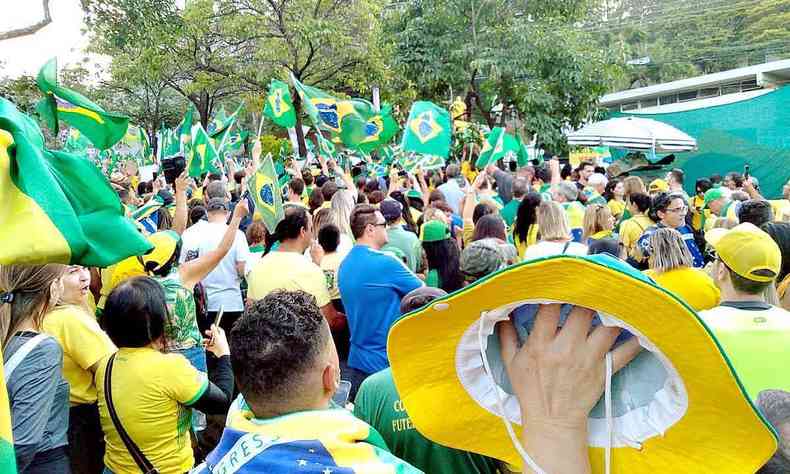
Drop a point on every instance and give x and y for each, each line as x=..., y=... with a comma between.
x=152, y=391
x=443, y=256
x=525, y=229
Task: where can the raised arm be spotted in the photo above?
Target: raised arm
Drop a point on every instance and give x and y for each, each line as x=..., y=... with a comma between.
x=180, y=219
x=195, y=270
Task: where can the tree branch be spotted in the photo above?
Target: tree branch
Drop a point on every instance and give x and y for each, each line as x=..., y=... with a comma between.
x=32, y=29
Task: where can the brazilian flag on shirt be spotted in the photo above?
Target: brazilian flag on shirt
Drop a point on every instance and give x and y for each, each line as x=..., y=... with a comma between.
x=267, y=194
x=102, y=128
x=56, y=207
x=330, y=441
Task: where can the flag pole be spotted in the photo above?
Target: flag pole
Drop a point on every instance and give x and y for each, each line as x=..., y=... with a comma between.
x=260, y=127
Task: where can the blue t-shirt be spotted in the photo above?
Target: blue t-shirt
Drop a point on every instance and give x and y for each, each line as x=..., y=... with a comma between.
x=372, y=285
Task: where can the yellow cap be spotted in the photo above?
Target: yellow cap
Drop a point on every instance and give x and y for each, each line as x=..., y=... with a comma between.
x=165, y=243
x=658, y=186
x=747, y=250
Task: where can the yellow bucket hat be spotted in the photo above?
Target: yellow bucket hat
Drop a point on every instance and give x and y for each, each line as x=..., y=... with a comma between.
x=677, y=407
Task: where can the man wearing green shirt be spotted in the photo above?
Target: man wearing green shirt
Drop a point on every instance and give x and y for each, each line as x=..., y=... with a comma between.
x=399, y=238
x=510, y=211
x=378, y=404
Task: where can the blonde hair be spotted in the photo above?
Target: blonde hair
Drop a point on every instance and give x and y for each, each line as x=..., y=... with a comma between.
x=669, y=251
x=323, y=217
x=552, y=221
x=342, y=204
x=633, y=185
x=597, y=217
x=31, y=290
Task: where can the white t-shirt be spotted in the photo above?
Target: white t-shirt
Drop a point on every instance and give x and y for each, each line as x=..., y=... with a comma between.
x=547, y=249
x=222, y=284
x=190, y=241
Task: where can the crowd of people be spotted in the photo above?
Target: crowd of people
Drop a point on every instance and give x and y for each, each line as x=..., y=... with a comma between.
x=229, y=348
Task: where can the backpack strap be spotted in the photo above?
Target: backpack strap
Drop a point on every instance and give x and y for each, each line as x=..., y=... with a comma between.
x=19, y=355
x=139, y=458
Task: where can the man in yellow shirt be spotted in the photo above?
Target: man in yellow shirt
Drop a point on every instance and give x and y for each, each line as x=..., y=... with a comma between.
x=287, y=267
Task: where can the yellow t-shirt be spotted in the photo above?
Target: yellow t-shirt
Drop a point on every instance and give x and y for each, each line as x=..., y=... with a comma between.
x=692, y=285
x=288, y=271
x=630, y=231
x=150, y=390
x=329, y=265
x=616, y=207
x=84, y=343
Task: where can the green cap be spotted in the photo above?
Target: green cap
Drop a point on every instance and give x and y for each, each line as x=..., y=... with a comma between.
x=413, y=193
x=713, y=194
x=435, y=231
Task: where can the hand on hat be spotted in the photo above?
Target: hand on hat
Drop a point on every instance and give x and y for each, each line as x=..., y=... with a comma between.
x=557, y=377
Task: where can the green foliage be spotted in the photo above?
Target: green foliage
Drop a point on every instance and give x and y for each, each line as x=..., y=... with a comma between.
x=278, y=147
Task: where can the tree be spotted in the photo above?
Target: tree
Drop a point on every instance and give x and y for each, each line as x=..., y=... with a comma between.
x=30, y=29
x=524, y=58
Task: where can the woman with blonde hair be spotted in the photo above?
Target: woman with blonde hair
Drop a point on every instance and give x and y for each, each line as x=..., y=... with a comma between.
x=38, y=394
x=631, y=185
x=671, y=266
x=598, y=223
x=555, y=234
x=84, y=344
x=343, y=202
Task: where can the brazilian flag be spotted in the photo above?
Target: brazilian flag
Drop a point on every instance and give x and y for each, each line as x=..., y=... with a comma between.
x=379, y=130
x=498, y=145
x=184, y=132
x=325, y=147
x=61, y=203
x=203, y=156
x=428, y=130
x=264, y=187
x=76, y=142
x=102, y=128
x=278, y=106
x=222, y=122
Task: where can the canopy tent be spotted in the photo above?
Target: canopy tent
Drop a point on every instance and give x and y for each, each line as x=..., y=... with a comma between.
x=633, y=133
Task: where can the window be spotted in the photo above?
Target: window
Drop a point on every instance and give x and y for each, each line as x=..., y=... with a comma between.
x=629, y=106
x=730, y=89
x=668, y=99
x=749, y=85
x=644, y=103
x=708, y=92
x=686, y=96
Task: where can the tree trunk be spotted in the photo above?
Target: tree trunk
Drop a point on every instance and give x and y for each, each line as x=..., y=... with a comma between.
x=297, y=100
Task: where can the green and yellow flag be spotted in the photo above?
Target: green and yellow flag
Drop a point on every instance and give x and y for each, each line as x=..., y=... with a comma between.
x=203, y=157
x=428, y=130
x=266, y=193
x=102, y=128
x=61, y=203
x=498, y=145
x=379, y=130
x=222, y=122
x=278, y=105
x=7, y=456
x=184, y=132
x=76, y=143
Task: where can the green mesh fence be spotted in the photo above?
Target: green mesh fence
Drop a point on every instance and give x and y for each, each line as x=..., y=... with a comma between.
x=754, y=132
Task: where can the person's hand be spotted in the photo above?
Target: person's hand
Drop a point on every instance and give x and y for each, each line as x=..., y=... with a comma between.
x=241, y=209
x=394, y=181
x=490, y=169
x=257, y=149
x=156, y=186
x=479, y=181
x=316, y=252
x=249, y=170
x=748, y=186
x=558, y=375
x=182, y=182
x=217, y=342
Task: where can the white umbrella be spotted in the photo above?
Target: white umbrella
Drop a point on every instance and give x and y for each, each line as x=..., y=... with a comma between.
x=633, y=133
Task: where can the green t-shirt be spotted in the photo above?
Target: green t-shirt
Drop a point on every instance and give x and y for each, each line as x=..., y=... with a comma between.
x=378, y=404
x=432, y=279
x=408, y=243
x=509, y=212
x=181, y=327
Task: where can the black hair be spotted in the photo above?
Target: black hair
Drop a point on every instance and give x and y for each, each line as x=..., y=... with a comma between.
x=307, y=177
x=321, y=180
x=239, y=176
x=702, y=185
x=608, y=193
x=746, y=285
x=780, y=232
x=678, y=175
x=295, y=219
x=736, y=178
x=214, y=177
x=641, y=201
x=755, y=211
x=542, y=173
x=329, y=238
x=371, y=185
x=715, y=179
x=444, y=257
x=608, y=246
x=526, y=215
x=489, y=226
x=277, y=340
x=661, y=202
x=405, y=211
x=482, y=209
x=135, y=312
x=316, y=199
x=197, y=213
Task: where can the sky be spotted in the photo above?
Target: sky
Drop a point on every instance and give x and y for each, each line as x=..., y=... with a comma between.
x=62, y=38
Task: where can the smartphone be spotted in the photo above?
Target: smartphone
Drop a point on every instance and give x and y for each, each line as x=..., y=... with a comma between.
x=746, y=172
x=341, y=394
x=216, y=323
x=173, y=167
